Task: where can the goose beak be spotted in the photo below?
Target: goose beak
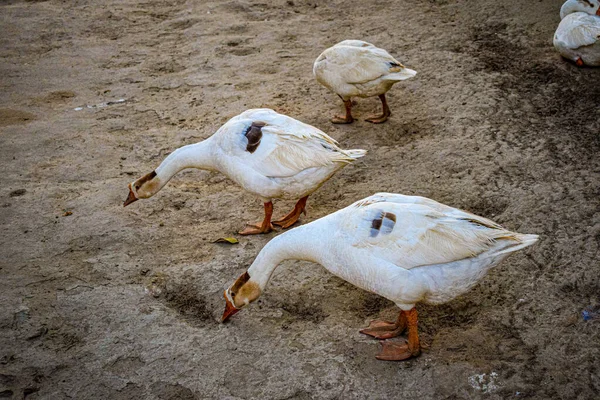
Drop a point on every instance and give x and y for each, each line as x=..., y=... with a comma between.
x=230, y=309
x=131, y=198
x=598, y=11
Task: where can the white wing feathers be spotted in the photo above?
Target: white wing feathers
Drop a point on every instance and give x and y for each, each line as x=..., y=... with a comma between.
x=289, y=152
x=362, y=64
x=287, y=146
x=412, y=231
x=577, y=30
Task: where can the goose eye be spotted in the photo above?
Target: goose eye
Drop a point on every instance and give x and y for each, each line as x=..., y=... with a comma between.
x=232, y=295
x=137, y=187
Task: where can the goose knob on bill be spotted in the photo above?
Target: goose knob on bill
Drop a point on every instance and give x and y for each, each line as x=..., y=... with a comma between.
x=577, y=37
x=355, y=68
x=268, y=154
x=405, y=248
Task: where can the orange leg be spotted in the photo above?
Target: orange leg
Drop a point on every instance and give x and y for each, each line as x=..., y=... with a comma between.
x=264, y=227
x=579, y=61
x=394, y=351
x=348, y=118
x=293, y=216
x=378, y=119
x=386, y=329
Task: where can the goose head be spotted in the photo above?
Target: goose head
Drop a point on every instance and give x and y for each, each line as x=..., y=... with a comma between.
x=586, y=6
x=143, y=188
x=243, y=292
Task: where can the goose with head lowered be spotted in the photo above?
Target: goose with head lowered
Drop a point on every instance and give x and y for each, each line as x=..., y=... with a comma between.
x=577, y=37
x=354, y=68
x=268, y=154
x=405, y=248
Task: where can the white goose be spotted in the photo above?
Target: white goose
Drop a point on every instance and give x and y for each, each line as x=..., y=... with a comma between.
x=577, y=37
x=268, y=154
x=356, y=68
x=404, y=248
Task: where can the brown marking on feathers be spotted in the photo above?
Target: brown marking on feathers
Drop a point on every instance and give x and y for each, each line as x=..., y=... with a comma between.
x=396, y=67
x=376, y=224
x=485, y=224
x=254, y=135
x=384, y=224
x=148, y=177
x=245, y=277
x=247, y=294
x=508, y=237
x=365, y=203
x=243, y=291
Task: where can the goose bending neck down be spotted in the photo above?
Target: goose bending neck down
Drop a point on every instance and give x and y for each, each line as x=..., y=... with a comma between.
x=404, y=248
x=268, y=154
x=198, y=155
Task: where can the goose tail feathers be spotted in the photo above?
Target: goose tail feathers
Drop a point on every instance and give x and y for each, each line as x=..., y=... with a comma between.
x=520, y=241
x=355, y=154
x=403, y=74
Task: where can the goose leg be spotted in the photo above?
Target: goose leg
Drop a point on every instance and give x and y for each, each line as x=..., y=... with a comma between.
x=348, y=118
x=386, y=329
x=579, y=61
x=293, y=216
x=264, y=227
x=378, y=119
x=394, y=351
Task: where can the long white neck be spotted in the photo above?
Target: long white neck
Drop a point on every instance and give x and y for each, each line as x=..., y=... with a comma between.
x=572, y=6
x=300, y=243
x=199, y=155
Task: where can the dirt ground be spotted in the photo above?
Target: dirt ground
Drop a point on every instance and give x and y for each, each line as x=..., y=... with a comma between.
x=104, y=302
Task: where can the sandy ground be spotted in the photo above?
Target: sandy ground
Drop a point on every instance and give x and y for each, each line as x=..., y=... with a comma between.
x=105, y=302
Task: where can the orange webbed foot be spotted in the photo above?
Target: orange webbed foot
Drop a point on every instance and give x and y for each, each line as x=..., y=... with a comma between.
x=396, y=351
x=285, y=222
x=341, y=120
x=347, y=119
x=294, y=215
x=377, y=119
x=383, y=329
x=256, y=229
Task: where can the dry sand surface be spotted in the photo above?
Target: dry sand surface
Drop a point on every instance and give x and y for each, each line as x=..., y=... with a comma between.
x=104, y=302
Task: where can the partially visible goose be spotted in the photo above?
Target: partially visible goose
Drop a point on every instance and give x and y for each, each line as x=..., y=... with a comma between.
x=577, y=37
x=404, y=248
x=356, y=68
x=270, y=155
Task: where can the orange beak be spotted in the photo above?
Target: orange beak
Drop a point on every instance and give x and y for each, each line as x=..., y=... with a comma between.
x=230, y=309
x=598, y=11
x=131, y=198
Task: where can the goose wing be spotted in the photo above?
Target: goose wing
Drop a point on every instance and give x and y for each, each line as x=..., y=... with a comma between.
x=577, y=30
x=355, y=63
x=278, y=146
x=412, y=231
